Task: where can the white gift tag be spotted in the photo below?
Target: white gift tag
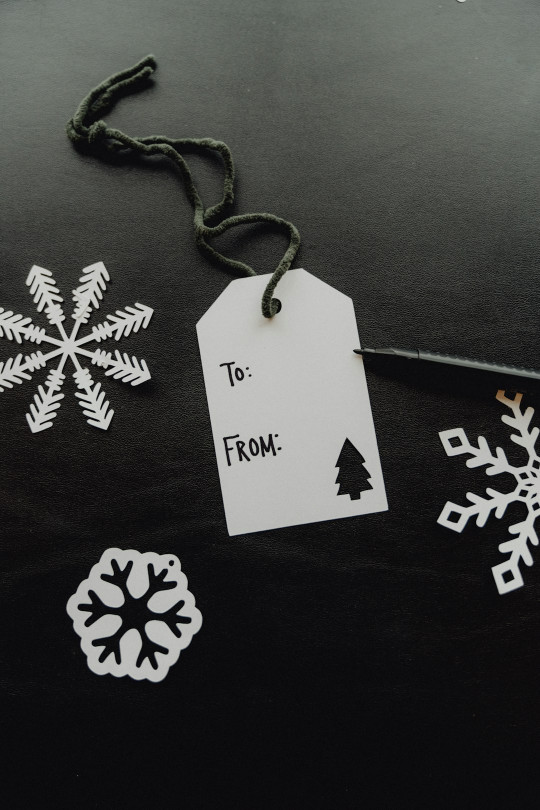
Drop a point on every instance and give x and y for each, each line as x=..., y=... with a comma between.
x=289, y=406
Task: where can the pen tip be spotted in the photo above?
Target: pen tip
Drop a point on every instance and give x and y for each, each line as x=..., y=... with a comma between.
x=358, y=351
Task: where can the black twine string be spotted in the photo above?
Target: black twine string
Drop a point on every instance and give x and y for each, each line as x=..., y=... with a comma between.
x=86, y=127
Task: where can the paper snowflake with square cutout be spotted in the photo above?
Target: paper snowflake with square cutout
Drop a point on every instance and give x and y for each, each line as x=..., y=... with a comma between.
x=134, y=614
x=87, y=298
x=507, y=574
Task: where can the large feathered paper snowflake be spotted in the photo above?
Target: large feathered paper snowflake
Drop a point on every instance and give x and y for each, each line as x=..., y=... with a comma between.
x=527, y=490
x=134, y=614
x=87, y=298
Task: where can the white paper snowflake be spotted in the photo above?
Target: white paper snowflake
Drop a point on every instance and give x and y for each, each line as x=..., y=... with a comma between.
x=134, y=614
x=87, y=298
x=527, y=490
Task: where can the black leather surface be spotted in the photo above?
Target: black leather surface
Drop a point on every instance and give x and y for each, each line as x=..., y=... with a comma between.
x=367, y=662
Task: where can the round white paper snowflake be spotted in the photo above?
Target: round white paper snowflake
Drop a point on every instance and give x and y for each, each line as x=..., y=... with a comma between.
x=134, y=614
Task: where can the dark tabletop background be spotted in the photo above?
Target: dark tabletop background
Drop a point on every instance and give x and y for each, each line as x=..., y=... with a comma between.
x=366, y=662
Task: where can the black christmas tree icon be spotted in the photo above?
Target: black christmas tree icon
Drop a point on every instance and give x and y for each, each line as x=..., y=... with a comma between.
x=353, y=477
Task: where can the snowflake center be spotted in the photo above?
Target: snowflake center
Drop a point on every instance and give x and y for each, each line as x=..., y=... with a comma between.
x=529, y=484
x=70, y=346
x=534, y=485
x=135, y=613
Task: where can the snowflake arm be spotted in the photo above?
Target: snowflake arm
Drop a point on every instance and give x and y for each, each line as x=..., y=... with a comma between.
x=156, y=582
x=129, y=370
x=172, y=618
x=122, y=324
x=92, y=400
x=481, y=507
x=455, y=443
x=46, y=294
x=121, y=367
x=15, y=369
x=507, y=575
x=110, y=644
x=148, y=652
x=46, y=401
x=96, y=608
x=119, y=576
x=89, y=293
x=520, y=422
x=15, y=327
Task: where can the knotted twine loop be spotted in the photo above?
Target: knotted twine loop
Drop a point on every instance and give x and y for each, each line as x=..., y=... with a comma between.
x=86, y=127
